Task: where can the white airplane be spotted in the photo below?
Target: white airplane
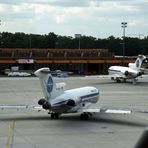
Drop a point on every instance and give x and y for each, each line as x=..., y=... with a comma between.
x=132, y=72
x=58, y=101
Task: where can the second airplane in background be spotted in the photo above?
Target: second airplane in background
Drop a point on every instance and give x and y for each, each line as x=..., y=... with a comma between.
x=132, y=72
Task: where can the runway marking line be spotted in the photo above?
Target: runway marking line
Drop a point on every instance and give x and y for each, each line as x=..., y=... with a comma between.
x=10, y=128
x=8, y=135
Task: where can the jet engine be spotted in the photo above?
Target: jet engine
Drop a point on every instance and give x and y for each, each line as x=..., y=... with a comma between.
x=73, y=102
x=41, y=101
x=140, y=73
x=126, y=73
x=45, y=104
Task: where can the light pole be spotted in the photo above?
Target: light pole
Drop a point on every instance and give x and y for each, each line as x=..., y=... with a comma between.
x=0, y=35
x=124, y=25
x=78, y=36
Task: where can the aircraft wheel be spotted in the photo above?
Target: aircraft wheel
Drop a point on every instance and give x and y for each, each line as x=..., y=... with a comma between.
x=52, y=115
x=124, y=80
x=84, y=116
x=112, y=78
x=56, y=115
x=118, y=81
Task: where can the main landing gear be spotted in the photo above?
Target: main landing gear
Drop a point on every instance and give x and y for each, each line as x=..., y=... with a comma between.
x=118, y=81
x=84, y=116
x=54, y=115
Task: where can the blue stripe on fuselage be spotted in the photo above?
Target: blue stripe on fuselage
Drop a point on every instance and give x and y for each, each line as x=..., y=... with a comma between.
x=114, y=70
x=90, y=95
x=81, y=97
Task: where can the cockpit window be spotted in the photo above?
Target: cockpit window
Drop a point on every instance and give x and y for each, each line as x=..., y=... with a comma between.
x=144, y=63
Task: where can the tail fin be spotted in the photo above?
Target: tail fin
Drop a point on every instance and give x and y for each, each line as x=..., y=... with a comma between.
x=139, y=61
x=48, y=85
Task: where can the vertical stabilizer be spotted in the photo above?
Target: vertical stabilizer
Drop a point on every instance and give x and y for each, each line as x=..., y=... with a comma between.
x=139, y=63
x=47, y=83
x=139, y=60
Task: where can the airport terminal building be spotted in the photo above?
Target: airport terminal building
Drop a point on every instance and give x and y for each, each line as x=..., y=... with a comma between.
x=78, y=61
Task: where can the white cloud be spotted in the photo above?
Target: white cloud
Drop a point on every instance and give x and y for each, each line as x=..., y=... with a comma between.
x=41, y=9
x=22, y=8
x=138, y=22
x=90, y=17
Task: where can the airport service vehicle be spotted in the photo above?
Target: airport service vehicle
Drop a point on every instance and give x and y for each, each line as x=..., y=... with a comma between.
x=132, y=72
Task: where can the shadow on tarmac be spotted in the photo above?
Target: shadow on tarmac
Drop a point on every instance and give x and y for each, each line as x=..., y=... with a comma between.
x=76, y=118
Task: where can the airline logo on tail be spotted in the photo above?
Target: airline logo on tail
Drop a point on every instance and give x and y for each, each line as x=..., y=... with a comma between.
x=49, y=84
x=138, y=63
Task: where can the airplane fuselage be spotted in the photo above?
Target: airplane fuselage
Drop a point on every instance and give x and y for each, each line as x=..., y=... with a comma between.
x=72, y=100
x=123, y=72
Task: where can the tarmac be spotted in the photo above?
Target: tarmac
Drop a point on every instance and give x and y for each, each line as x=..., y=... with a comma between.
x=32, y=129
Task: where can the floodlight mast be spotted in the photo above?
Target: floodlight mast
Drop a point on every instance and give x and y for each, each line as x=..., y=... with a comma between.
x=124, y=25
x=79, y=37
x=0, y=35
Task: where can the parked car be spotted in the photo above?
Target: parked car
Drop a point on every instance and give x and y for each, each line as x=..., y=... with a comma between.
x=19, y=74
x=62, y=75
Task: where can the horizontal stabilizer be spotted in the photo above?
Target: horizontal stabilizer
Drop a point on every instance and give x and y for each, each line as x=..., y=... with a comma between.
x=45, y=70
x=21, y=107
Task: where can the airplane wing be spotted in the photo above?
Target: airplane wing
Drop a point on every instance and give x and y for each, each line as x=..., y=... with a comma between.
x=21, y=107
x=108, y=111
x=88, y=109
x=104, y=76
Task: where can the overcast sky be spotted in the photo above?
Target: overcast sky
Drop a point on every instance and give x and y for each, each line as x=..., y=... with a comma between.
x=98, y=18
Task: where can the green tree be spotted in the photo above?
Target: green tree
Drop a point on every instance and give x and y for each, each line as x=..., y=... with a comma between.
x=50, y=40
x=87, y=42
x=64, y=42
x=133, y=46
